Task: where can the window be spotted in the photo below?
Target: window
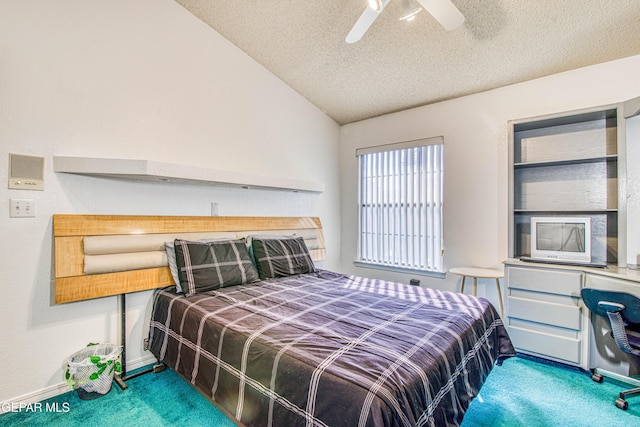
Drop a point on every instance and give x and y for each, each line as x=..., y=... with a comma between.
x=400, y=205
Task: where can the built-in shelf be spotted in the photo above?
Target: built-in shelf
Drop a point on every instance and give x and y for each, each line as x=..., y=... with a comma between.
x=147, y=170
x=609, y=158
x=566, y=165
x=563, y=211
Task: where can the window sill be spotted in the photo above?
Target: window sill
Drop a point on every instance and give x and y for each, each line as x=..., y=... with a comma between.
x=435, y=274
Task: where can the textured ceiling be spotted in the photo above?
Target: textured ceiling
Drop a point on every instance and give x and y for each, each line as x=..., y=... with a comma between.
x=399, y=65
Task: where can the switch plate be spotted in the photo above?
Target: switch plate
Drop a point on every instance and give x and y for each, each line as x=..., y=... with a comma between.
x=22, y=208
x=214, y=209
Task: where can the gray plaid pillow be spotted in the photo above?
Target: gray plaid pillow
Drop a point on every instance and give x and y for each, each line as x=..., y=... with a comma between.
x=203, y=266
x=281, y=256
x=171, y=260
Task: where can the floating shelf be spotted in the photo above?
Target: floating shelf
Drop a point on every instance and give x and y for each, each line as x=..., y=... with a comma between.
x=147, y=170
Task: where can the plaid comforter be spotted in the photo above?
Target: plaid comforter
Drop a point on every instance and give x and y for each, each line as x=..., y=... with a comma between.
x=324, y=349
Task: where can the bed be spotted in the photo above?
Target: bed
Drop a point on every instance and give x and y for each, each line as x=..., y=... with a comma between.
x=291, y=344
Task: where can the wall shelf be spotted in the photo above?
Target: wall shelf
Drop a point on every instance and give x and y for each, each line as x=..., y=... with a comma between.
x=148, y=170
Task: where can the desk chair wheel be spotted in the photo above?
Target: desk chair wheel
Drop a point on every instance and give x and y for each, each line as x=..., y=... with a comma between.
x=597, y=378
x=622, y=404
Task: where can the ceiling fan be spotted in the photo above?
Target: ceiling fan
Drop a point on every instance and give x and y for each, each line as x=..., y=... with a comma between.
x=445, y=12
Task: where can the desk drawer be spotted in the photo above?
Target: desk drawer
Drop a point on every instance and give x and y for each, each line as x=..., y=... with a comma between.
x=546, y=345
x=561, y=315
x=612, y=284
x=545, y=280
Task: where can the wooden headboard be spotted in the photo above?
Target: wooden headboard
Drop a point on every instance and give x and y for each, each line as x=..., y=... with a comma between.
x=86, y=245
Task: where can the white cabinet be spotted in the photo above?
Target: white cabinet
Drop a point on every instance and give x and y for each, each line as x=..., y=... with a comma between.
x=582, y=163
x=545, y=316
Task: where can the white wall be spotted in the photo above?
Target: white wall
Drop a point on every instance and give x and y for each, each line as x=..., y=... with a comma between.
x=475, y=130
x=141, y=80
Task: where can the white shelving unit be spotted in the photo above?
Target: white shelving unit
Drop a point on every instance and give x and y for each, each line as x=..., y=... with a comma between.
x=566, y=165
x=579, y=163
x=147, y=170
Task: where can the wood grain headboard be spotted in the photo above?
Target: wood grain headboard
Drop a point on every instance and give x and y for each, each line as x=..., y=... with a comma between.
x=87, y=246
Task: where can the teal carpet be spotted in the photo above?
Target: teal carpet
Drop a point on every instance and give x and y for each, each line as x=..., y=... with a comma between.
x=524, y=392
x=521, y=392
x=152, y=400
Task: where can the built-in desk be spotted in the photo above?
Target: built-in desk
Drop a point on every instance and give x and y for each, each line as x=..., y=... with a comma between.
x=545, y=315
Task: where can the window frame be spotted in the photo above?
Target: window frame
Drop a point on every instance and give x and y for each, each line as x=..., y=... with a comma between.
x=408, y=200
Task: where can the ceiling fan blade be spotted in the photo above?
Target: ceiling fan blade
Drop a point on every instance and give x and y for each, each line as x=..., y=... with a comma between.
x=445, y=12
x=364, y=22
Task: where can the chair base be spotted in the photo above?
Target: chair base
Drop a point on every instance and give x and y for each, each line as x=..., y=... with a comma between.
x=599, y=375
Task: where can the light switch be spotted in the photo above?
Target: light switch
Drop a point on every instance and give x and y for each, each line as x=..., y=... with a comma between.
x=22, y=208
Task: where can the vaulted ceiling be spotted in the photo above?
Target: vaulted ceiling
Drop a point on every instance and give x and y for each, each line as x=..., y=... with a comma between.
x=398, y=64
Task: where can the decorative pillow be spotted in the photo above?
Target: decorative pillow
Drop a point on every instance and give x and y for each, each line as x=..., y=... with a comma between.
x=263, y=236
x=203, y=266
x=171, y=259
x=281, y=256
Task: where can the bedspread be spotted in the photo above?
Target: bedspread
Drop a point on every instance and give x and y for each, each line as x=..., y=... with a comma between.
x=325, y=349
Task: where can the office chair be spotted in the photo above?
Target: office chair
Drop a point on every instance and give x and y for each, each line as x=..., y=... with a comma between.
x=623, y=312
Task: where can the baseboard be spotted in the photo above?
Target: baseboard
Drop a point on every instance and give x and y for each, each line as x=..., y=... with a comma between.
x=140, y=362
x=61, y=388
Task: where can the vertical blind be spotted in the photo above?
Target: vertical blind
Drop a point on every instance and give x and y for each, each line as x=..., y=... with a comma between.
x=400, y=205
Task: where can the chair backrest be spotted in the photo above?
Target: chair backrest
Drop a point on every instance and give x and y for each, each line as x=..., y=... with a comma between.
x=598, y=300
